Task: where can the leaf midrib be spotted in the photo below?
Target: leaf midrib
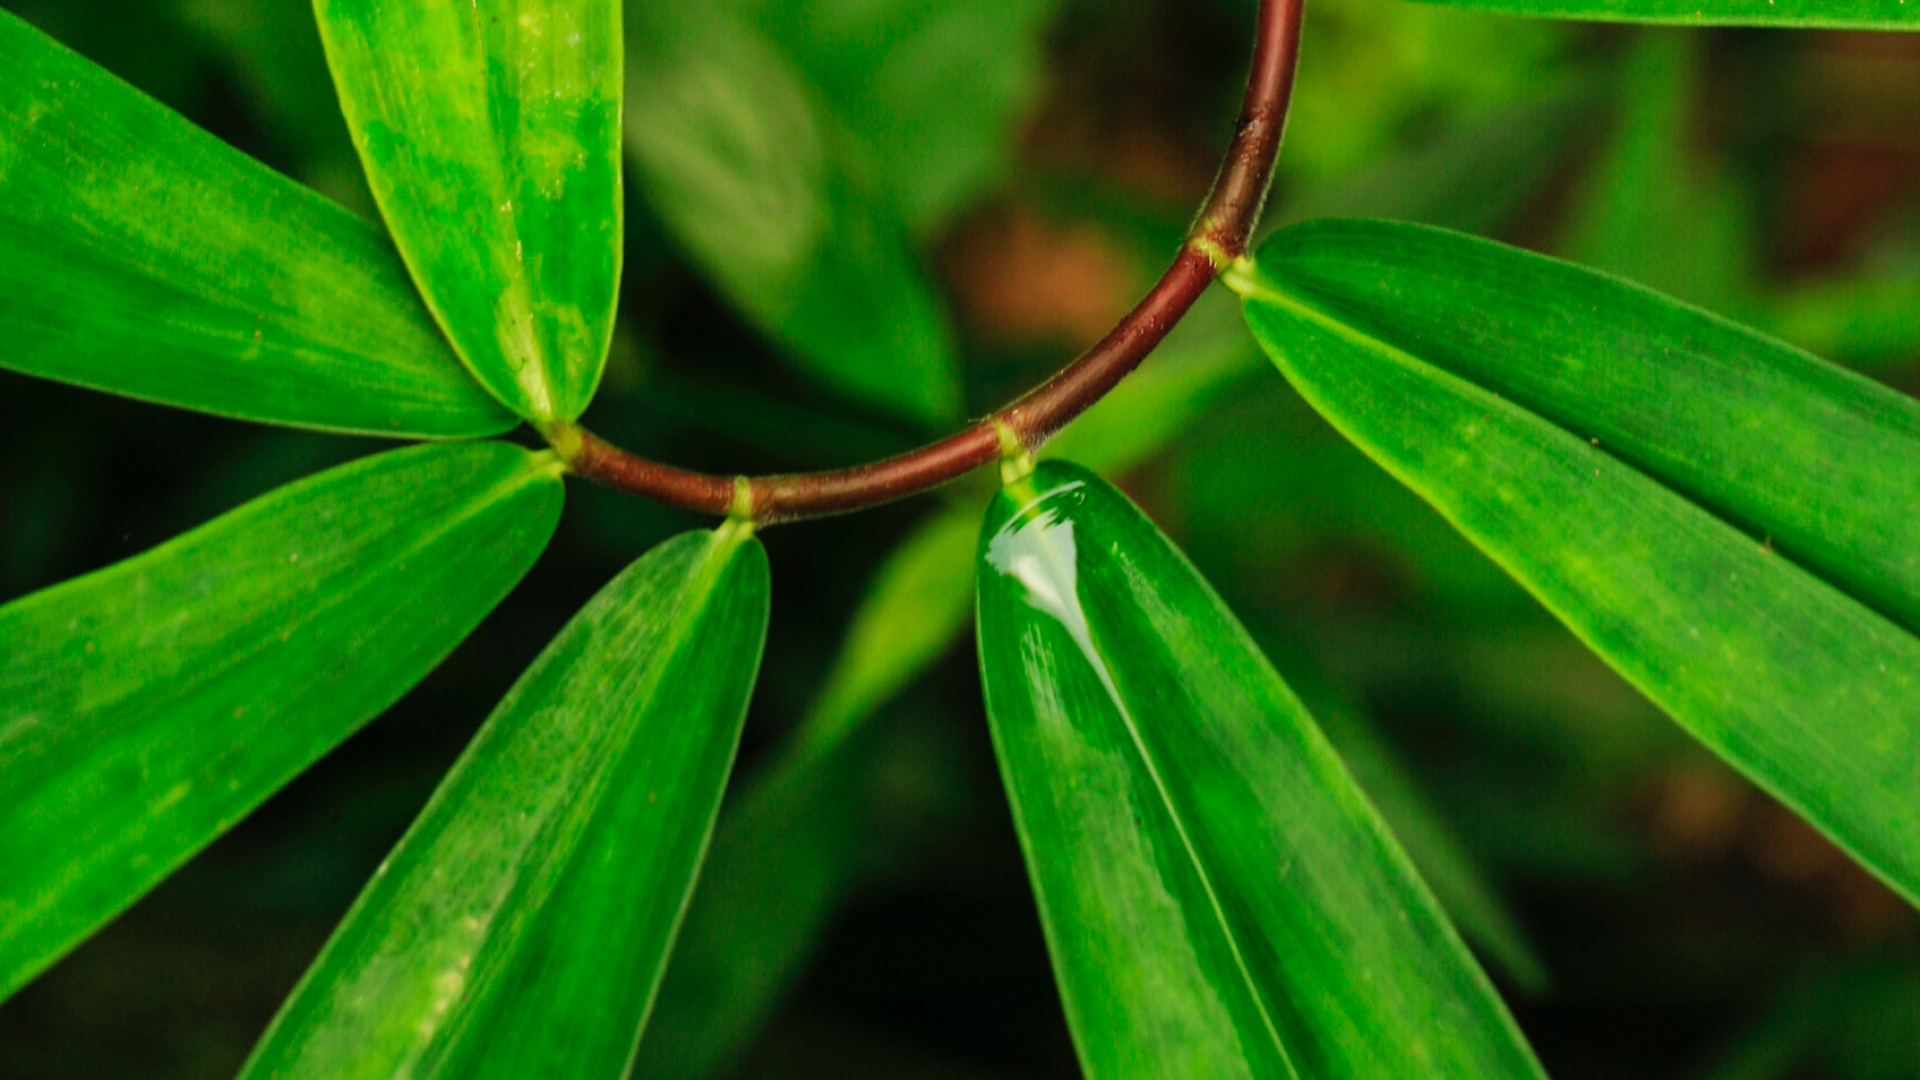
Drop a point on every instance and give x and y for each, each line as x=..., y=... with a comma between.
x=1264, y=287
x=1097, y=660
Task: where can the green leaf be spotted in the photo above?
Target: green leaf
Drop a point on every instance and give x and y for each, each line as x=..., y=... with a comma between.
x=1652, y=210
x=147, y=707
x=785, y=854
x=894, y=69
x=521, y=926
x=1433, y=843
x=757, y=180
x=789, y=849
x=1219, y=898
x=142, y=256
x=1804, y=14
x=490, y=131
x=1727, y=521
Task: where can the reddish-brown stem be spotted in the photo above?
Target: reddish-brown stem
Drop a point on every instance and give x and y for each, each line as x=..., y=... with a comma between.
x=1219, y=236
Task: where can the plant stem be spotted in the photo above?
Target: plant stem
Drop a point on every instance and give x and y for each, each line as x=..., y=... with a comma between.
x=1219, y=236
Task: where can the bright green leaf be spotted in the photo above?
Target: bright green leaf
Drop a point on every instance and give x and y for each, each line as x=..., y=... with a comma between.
x=1865, y=320
x=147, y=707
x=521, y=926
x=756, y=179
x=1218, y=896
x=490, y=131
x=1727, y=521
x=142, y=256
x=1804, y=14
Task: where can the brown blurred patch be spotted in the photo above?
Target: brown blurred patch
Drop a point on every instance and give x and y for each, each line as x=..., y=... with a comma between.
x=1020, y=278
x=1705, y=818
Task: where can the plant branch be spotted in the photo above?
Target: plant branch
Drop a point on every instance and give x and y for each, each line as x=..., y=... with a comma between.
x=1219, y=236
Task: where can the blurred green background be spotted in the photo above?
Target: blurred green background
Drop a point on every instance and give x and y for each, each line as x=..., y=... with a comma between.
x=852, y=222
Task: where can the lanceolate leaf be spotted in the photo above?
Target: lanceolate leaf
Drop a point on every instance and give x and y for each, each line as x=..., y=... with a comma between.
x=142, y=256
x=1837, y=14
x=755, y=178
x=1219, y=898
x=146, y=708
x=1727, y=521
x=491, y=135
x=521, y=926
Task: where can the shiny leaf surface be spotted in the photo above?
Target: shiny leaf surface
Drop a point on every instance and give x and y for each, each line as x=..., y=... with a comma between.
x=1200, y=857
x=142, y=256
x=757, y=179
x=490, y=132
x=147, y=707
x=521, y=926
x=1725, y=520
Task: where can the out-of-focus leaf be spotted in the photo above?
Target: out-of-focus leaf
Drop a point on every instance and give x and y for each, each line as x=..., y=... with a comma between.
x=1476, y=175
x=894, y=70
x=1726, y=520
x=273, y=49
x=490, y=132
x=1381, y=69
x=1429, y=838
x=910, y=615
x=147, y=707
x=757, y=181
x=1218, y=896
x=142, y=256
x=1204, y=356
x=1857, y=1021
x=1804, y=14
x=521, y=926
x=1866, y=321
x=1651, y=210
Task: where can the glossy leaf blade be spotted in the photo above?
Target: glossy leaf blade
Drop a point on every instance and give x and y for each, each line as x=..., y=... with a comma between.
x=142, y=256
x=490, y=132
x=1219, y=898
x=1803, y=14
x=757, y=180
x=522, y=925
x=147, y=707
x=1725, y=520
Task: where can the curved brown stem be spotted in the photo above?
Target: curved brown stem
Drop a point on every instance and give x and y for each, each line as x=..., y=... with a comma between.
x=1219, y=236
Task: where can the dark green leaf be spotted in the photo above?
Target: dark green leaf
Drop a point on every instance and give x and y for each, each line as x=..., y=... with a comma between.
x=491, y=135
x=1219, y=898
x=895, y=69
x=1430, y=840
x=142, y=256
x=146, y=708
x=272, y=49
x=1727, y=521
x=1835, y=14
x=757, y=181
x=521, y=926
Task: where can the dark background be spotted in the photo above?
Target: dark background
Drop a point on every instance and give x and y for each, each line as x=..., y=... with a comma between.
x=1687, y=925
